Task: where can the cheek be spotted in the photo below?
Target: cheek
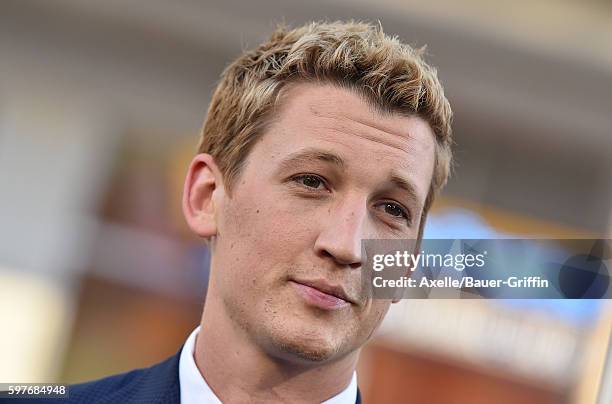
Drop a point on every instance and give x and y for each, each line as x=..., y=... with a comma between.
x=374, y=316
x=273, y=217
x=262, y=230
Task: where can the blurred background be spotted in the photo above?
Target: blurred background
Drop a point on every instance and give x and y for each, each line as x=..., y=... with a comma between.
x=100, y=109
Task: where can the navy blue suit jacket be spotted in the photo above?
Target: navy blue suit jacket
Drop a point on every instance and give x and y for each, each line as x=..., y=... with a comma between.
x=158, y=384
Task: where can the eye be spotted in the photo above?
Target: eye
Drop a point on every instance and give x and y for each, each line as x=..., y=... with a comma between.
x=396, y=210
x=309, y=181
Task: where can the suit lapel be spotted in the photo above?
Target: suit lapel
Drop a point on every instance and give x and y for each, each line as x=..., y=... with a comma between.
x=159, y=384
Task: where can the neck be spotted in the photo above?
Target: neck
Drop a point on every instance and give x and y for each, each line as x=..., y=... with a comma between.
x=238, y=370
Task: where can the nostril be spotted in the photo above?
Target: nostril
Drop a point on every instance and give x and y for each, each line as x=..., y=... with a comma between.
x=355, y=265
x=342, y=258
x=327, y=254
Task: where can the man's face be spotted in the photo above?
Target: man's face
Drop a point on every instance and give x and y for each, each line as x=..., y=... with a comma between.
x=327, y=173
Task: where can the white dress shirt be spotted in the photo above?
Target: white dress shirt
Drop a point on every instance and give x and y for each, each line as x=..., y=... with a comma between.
x=195, y=390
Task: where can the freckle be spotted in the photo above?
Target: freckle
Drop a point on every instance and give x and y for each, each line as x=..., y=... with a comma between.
x=257, y=210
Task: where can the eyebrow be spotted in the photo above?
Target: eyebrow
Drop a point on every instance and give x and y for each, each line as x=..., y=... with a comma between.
x=404, y=184
x=310, y=154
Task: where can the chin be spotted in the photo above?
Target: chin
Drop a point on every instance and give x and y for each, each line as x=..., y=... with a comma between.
x=307, y=352
x=306, y=346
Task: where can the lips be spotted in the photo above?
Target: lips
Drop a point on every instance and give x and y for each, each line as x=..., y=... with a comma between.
x=322, y=294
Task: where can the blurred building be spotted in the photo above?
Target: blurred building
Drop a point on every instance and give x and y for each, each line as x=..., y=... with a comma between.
x=100, y=108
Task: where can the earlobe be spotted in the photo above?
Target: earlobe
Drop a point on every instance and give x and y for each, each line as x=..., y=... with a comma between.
x=202, y=184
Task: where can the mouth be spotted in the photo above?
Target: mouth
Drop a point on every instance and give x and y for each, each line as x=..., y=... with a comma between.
x=321, y=294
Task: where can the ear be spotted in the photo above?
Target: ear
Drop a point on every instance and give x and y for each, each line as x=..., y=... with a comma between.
x=203, y=186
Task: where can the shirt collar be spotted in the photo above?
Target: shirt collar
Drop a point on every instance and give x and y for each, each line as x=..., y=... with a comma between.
x=195, y=390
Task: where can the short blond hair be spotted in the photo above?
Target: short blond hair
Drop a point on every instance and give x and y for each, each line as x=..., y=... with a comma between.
x=391, y=75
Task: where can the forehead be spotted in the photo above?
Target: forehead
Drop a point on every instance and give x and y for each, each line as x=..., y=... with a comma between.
x=341, y=122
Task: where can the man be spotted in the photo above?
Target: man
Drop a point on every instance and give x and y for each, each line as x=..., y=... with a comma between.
x=319, y=138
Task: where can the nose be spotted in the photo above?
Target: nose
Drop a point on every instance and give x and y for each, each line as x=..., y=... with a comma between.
x=341, y=233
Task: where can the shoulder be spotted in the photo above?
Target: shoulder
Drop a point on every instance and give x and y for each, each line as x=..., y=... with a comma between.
x=156, y=384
